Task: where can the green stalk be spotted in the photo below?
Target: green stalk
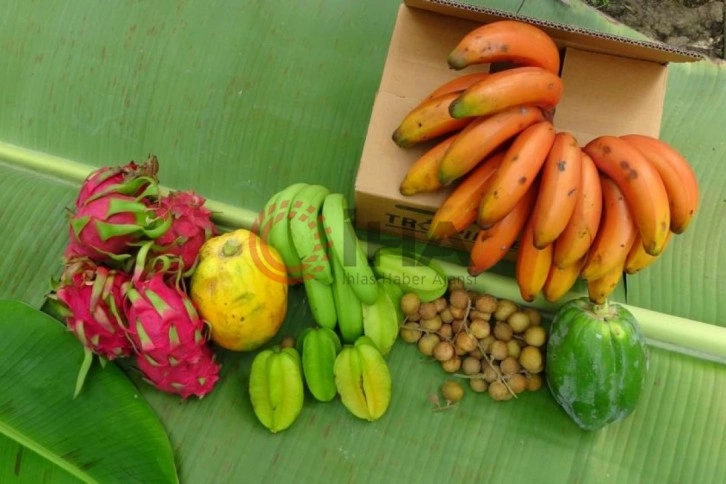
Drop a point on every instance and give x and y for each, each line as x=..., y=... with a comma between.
x=682, y=335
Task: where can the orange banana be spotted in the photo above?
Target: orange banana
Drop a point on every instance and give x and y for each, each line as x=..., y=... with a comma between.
x=532, y=265
x=491, y=245
x=460, y=208
x=482, y=137
x=560, y=281
x=678, y=178
x=641, y=184
x=457, y=84
x=638, y=259
x=615, y=235
x=520, y=167
x=600, y=289
x=575, y=240
x=428, y=120
x=561, y=178
x=517, y=86
x=506, y=41
x=423, y=174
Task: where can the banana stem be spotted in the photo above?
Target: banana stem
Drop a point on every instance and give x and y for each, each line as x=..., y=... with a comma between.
x=674, y=333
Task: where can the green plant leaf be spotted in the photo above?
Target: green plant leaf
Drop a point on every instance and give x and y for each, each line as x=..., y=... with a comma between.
x=108, y=433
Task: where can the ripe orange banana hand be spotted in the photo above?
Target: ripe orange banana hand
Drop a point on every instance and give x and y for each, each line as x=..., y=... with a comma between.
x=638, y=259
x=532, y=265
x=482, y=137
x=581, y=229
x=641, y=184
x=560, y=281
x=430, y=119
x=615, y=235
x=517, y=86
x=423, y=174
x=457, y=84
x=460, y=208
x=677, y=174
x=600, y=289
x=506, y=41
x=518, y=171
x=558, y=192
x=491, y=245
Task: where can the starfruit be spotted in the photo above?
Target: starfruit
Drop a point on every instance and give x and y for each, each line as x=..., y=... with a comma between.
x=319, y=348
x=363, y=379
x=381, y=320
x=276, y=387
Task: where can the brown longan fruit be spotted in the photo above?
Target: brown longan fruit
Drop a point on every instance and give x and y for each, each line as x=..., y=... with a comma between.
x=519, y=321
x=452, y=391
x=445, y=331
x=486, y=303
x=474, y=314
x=531, y=359
x=535, y=336
x=415, y=317
x=502, y=331
x=446, y=315
x=410, y=303
x=517, y=382
x=490, y=372
x=443, y=351
x=427, y=343
x=505, y=308
x=457, y=313
x=427, y=310
x=441, y=304
x=432, y=324
x=479, y=328
x=459, y=299
x=478, y=385
x=513, y=348
x=476, y=353
x=535, y=317
x=509, y=366
x=465, y=341
x=456, y=283
x=499, y=391
x=452, y=365
x=534, y=382
x=486, y=343
x=498, y=350
x=410, y=332
x=471, y=365
x=457, y=325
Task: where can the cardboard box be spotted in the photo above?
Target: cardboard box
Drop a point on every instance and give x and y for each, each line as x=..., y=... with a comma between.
x=612, y=86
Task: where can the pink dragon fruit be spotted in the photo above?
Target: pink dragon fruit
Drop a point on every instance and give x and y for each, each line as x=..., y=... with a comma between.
x=106, y=228
x=191, y=227
x=131, y=179
x=92, y=303
x=186, y=378
x=168, y=334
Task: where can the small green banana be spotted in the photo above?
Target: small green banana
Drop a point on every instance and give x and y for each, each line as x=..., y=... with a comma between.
x=319, y=347
x=381, y=319
x=363, y=380
x=321, y=302
x=308, y=235
x=347, y=305
x=411, y=272
x=347, y=248
x=279, y=235
x=276, y=387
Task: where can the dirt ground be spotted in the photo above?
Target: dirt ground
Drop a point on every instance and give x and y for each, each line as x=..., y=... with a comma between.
x=694, y=24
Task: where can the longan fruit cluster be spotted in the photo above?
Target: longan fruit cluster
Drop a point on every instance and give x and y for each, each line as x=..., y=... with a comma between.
x=494, y=343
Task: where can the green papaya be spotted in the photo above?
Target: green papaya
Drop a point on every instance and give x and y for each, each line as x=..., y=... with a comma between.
x=596, y=363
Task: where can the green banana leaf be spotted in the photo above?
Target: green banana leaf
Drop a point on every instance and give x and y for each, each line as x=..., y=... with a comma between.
x=239, y=99
x=106, y=434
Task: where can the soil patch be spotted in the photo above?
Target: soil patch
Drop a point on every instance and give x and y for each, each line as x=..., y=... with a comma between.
x=697, y=25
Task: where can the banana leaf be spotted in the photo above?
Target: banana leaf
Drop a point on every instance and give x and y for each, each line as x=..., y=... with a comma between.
x=239, y=99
